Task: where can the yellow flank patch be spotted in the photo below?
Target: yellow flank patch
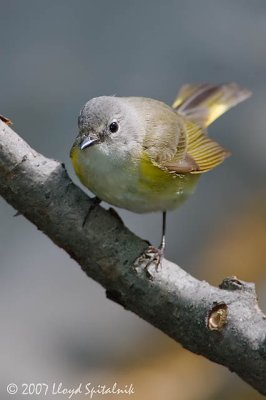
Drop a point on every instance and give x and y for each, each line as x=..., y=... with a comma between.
x=161, y=182
x=151, y=176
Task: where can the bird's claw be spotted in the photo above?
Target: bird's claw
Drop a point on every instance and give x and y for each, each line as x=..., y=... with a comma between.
x=95, y=201
x=152, y=257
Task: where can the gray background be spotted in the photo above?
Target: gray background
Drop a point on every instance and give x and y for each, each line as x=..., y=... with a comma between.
x=56, y=55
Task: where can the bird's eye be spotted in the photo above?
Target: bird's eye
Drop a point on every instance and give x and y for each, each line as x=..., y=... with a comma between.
x=113, y=127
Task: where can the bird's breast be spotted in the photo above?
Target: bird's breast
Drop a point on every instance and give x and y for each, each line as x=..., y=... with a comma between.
x=134, y=184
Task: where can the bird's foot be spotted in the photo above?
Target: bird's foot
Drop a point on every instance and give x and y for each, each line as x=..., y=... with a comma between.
x=95, y=201
x=150, y=259
x=115, y=214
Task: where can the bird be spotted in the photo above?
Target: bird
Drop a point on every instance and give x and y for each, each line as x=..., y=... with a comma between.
x=143, y=155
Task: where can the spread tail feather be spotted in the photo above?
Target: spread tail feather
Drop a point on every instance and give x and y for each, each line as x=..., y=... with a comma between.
x=204, y=103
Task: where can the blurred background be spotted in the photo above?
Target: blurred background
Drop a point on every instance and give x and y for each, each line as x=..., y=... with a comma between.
x=56, y=324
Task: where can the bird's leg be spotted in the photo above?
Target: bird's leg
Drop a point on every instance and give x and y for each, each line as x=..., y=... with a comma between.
x=153, y=255
x=95, y=201
x=162, y=245
x=157, y=254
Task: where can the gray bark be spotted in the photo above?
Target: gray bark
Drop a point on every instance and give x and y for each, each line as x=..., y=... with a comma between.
x=223, y=324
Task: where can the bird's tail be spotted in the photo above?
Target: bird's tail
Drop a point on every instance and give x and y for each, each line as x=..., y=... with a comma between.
x=204, y=103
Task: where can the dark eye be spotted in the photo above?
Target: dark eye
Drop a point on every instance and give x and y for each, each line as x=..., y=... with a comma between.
x=113, y=127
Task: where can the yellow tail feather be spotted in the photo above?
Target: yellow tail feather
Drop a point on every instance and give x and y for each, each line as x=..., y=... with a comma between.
x=205, y=103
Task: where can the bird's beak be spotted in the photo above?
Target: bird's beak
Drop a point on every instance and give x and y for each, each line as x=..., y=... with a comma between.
x=87, y=142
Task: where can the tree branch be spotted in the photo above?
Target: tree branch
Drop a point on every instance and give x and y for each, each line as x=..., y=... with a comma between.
x=223, y=324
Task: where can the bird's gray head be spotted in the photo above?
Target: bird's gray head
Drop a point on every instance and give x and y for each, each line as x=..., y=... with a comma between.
x=109, y=122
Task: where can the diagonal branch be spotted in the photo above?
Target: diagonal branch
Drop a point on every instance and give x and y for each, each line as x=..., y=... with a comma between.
x=223, y=324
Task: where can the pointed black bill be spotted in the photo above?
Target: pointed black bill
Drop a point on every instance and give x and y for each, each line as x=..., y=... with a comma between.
x=87, y=142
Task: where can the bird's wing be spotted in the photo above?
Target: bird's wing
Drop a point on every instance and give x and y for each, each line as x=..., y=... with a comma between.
x=200, y=105
x=202, y=153
x=165, y=136
x=179, y=144
x=176, y=144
